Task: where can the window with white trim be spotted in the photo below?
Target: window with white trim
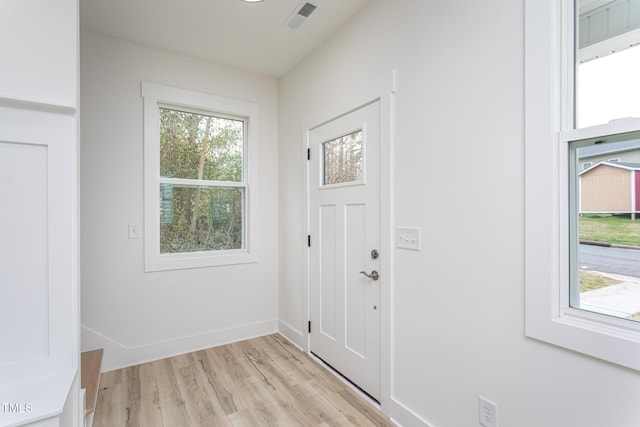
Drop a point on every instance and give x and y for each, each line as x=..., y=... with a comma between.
x=199, y=154
x=562, y=197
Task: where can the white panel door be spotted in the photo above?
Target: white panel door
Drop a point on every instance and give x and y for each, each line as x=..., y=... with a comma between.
x=344, y=216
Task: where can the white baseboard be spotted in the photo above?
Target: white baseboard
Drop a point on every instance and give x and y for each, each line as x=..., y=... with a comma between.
x=117, y=355
x=297, y=337
x=402, y=416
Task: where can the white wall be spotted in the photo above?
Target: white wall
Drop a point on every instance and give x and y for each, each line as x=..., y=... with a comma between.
x=37, y=36
x=459, y=175
x=139, y=316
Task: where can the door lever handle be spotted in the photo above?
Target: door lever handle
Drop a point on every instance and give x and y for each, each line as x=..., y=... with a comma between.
x=374, y=275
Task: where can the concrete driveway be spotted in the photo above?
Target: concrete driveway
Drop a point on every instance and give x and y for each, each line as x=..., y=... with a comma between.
x=622, y=300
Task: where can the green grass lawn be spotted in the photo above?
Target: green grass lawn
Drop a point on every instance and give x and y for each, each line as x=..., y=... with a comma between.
x=609, y=228
x=590, y=280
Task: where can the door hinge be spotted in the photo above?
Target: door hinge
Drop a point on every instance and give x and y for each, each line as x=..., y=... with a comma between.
x=308, y=153
x=309, y=240
x=309, y=326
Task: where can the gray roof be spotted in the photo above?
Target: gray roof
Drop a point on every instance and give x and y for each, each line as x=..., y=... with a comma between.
x=597, y=150
x=634, y=166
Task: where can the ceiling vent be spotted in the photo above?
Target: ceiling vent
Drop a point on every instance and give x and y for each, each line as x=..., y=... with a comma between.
x=300, y=14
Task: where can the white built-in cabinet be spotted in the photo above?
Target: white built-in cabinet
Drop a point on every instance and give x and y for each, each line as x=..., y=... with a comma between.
x=39, y=271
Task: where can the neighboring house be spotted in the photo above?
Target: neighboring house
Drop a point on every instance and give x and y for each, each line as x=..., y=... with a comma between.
x=610, y=187
x=628, y=151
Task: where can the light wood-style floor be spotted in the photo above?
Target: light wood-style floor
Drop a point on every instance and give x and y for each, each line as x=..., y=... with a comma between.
x=265, y=381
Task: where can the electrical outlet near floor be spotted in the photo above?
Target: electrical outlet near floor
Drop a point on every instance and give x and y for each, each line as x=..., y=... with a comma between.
x=488, y=412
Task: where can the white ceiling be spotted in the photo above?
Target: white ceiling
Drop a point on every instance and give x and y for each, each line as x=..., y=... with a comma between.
x=250, y=36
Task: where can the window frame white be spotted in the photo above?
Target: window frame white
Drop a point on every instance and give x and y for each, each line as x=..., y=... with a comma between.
x=156, y=96
x=549, y=123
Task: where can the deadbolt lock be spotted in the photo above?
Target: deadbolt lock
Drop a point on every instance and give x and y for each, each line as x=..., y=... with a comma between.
x=374, y=254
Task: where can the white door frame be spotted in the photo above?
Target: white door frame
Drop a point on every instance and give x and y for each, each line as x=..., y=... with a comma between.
x=381, y=89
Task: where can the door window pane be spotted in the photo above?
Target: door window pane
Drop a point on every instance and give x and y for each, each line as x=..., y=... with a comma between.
x=343, y=159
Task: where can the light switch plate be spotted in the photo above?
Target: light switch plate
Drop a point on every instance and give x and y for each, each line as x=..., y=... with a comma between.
x=408, y=238
x=134, y=231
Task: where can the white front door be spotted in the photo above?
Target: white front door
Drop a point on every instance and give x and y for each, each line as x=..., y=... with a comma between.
x=344, y=216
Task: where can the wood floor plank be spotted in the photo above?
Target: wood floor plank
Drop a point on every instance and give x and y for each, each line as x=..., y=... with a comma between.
x=318, y=404
x=208, y=379
x=110, y=403
x=171, y=400
x=201, y=404
x=131, y=383
x=342, y=412
x=150, y=409
x=265, y=381
x=361, y=407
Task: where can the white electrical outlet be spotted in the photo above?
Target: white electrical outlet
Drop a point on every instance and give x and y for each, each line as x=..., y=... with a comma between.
x=488, y=412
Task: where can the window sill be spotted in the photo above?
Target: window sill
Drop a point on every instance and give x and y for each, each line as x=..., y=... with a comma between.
x=198, y=260
x=614, y=344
